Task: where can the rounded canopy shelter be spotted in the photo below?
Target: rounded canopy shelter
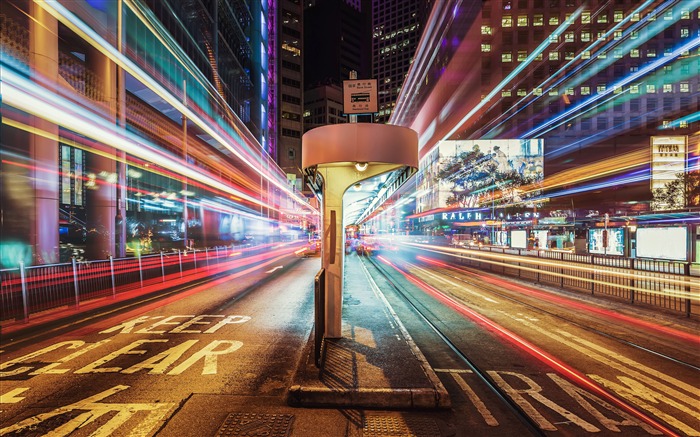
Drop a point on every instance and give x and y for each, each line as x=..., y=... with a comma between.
x=342, y=155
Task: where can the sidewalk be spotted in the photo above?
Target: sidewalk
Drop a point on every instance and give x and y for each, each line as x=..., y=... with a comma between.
x=375, y=364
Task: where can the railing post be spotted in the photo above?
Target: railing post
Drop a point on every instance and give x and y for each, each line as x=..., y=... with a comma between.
x=206, y=253
x=25, y=298
x=538, y=267
x=140, y=269
x=111, y=273
x=75, y=282
x=592, y=275
x=218, y=260
x=633, y=283
x=162, y=266
x=688, y=290
x=179, y=255
x=194, y=254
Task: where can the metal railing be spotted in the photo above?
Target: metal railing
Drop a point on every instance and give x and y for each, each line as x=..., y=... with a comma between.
x=28, y=290
x=664, y=284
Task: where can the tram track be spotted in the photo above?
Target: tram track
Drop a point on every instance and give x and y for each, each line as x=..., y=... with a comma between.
x=495, y=291
x=426, y=315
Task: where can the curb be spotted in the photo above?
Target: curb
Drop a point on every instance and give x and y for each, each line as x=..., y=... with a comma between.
x=371, y=398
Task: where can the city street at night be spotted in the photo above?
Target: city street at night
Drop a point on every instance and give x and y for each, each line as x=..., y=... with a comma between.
x=515, y=358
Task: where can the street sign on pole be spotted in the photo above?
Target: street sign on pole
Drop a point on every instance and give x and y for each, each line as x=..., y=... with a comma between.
x=360, y=96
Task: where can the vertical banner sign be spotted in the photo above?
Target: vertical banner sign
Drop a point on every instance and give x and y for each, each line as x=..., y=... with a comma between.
x=668, y=160
x=360, y=96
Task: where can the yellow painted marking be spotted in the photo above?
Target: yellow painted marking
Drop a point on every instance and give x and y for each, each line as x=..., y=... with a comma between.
x=94, y=367
x=535, y=392
x=165, y=321
x=478, y=403
x=578, y=394
x=209, y=354
x=30, y=357
x=11, y=396
x=117, y=414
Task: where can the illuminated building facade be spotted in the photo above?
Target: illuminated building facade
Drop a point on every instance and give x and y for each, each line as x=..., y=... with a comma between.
x=287, y=72
x=136, y=126
x=396, y=30
x=596, y=81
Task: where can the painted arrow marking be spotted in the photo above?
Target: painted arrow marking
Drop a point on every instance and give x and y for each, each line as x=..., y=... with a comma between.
x=270, y=271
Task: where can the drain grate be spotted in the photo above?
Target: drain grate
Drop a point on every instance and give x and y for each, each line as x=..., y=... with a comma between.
x=385, y=426
x=253, y=424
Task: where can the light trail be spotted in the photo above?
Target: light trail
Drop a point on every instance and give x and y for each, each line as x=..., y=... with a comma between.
x=541, y=355
x=535, y=265
x=80, y=28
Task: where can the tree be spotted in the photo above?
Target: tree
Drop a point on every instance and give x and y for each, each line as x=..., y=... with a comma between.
x=684, y=191
x=477, y=179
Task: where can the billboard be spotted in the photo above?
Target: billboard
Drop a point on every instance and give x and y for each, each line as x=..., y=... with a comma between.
x=616, y=241
x=518, y=239
x=360, y=96
x=668, y=160
x=663, y=243
x=500, y=158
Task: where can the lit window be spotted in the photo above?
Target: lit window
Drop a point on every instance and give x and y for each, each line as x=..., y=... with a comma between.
x=485, y=48
x=602, y=17
x=570, y=91
x=537, y=91
x=600, y=89
x=601, y=36
x=522, y=20
x=651, y=53
x=651, y=16
x=486, y=30
x=569, y=37
x=617, y=34
x=634, y=89
x=666, y=124
x=538, y=20
x=668, y=16
x=506, y=57
x=507, y=21
x=618, y=16
x=553, y=56
x=585, y=36
x=651, y=89
x=585, y=90
x=685, y=87
x=685, y=14
x=539, y=57
x=522, y=92
x=685, y=32
x=668, y=88
x=553, y=21
x=569, y=55
x=634, y=34
x=634, y=53
x=668, y=51
x=522, y=55
x=617, y=54
x=617, y=89
x=636, y=17
x=553, y=92
x=585, y=17
x=634, y=68
x=505, y=93
x=602, y=55
x=586, y=54
x=553, y=38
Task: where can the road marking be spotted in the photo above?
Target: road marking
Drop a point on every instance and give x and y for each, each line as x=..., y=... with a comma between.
x=74, y=344
x=94, y=367
x=638, y=385
x=116, y=416
x=129, y=326
x=452, y=371
x=578, y=394
x=478, y=403
x=535, y=392
x=209, y=354
x=270, y=271
x=11, y=396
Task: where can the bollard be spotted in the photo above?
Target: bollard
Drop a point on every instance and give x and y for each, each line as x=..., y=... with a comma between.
x=111, y=271
x=75, y=283
x=25, y=299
